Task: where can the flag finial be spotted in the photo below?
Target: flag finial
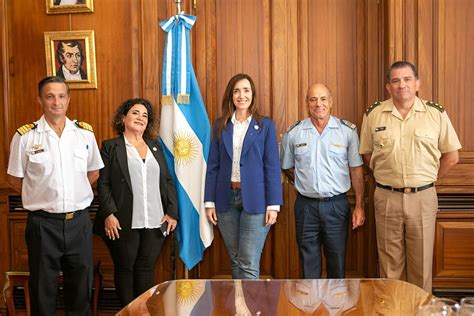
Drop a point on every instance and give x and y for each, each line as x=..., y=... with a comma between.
x=178, y=6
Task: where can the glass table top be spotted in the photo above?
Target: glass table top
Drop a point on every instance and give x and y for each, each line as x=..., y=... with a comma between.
x=280, y=297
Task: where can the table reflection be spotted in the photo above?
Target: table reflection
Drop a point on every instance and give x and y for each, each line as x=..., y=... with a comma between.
x=280, y=297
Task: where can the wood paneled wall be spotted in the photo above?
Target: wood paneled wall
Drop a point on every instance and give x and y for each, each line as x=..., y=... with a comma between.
x=285, y=45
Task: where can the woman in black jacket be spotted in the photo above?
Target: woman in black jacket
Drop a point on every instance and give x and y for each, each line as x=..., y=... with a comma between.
x=137, y=196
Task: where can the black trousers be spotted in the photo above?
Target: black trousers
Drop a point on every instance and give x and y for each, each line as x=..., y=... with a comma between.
x=322, y=223
x=55, y=245
x=134, y=262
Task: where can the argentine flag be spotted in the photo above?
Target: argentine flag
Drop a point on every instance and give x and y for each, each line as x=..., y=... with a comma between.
x=185, y=135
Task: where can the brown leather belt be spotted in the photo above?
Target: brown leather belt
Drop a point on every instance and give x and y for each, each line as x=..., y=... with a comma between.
x=234, y=185
x=405, y=190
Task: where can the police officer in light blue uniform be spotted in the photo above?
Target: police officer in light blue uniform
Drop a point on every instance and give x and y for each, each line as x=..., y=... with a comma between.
x=320, y=154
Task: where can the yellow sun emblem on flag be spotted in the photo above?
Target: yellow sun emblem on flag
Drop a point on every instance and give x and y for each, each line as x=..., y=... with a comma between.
x=185, y=148
x=188, y=291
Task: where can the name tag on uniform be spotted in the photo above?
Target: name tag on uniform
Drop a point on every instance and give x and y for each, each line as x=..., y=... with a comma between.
x=381, y=128
x=37, y=151
x=300, y=145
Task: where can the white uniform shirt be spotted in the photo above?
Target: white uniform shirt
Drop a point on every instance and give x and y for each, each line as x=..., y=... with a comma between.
x=145, y=179
x=322, y=162
x=54, y=169
x=337, y=296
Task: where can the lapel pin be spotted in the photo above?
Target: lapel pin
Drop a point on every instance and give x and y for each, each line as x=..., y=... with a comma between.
x=256, y=127
x=154, y=149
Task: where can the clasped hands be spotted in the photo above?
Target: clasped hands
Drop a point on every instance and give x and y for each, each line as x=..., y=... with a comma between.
x=112, y=226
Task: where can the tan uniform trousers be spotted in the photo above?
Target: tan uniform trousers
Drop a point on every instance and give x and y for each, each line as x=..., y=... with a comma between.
x=405, y=225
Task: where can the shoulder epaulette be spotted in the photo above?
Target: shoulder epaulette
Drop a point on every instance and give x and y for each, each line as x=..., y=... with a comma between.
x=348, y=124
x=293, y=126
x=373, y=106
x=84, y=125
x=26, y=128
x=437, y=106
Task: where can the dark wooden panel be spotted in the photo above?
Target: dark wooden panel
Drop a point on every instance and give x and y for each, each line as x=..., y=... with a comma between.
x=454, y=250
x=3, y=93
x=150, y=48
x=425, y=49
x=102, y=254
x=332, y=33
x=455, y=65
x=286, y=77
x=458, y=253
x=242, y=43
x=4, y=239
x=19, y=253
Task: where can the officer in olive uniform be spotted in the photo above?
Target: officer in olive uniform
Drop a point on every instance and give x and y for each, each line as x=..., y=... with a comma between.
x=408, y=143
x=320, y=154
x=53, y=163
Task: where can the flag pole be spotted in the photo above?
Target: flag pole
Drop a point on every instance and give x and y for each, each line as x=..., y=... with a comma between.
x=178, y=5
x=185, y=138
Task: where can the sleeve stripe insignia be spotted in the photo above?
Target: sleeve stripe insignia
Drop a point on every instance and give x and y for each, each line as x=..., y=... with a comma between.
x=437, y=106
x=293, y=126
x=84, y=125
x=348, y=124
x=26, y=128
x=373, y=106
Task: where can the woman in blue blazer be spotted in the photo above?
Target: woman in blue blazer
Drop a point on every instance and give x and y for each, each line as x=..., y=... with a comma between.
x=243, y=187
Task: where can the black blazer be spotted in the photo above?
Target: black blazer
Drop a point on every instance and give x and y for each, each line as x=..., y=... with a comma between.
x=115, y=188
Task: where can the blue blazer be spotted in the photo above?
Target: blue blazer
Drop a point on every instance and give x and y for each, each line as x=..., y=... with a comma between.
x=260, y=179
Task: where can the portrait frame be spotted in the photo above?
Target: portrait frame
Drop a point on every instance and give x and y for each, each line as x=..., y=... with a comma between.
x=80, y=41
x=84, y=6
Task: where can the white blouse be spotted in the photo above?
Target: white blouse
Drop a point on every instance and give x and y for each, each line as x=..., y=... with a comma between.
x=145, y=179
x=240, y=129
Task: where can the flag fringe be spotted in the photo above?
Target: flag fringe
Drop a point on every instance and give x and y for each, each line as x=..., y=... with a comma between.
x=167, y=100
x=183, y=99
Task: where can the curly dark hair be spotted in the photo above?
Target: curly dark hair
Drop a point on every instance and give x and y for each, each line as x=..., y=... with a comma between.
x=117, y=122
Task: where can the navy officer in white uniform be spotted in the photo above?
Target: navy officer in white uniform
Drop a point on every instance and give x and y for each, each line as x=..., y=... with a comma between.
x=53, y=162
x=320, y=155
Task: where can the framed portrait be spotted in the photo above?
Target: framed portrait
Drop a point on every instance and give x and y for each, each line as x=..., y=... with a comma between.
x=69, y=6
x=71, y=55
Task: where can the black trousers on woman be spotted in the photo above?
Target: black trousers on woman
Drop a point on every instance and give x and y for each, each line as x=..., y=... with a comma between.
x=134, y=262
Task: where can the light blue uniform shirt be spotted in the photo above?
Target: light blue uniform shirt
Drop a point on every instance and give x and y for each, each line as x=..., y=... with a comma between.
x=321, y=162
